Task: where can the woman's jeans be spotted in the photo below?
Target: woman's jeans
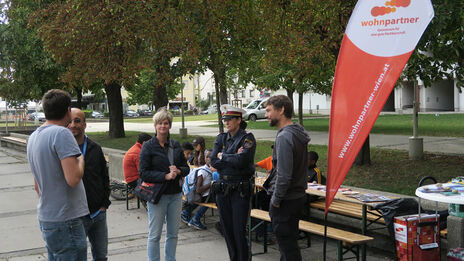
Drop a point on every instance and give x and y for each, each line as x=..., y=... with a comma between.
x=169, y=209
x=65, y=240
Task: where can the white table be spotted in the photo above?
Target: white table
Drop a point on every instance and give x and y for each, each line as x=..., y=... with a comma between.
x=451, y=199
x=454, y=199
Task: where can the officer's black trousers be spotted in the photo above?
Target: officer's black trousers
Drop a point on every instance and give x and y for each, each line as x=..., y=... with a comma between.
x=285, y=224
x=233, y=213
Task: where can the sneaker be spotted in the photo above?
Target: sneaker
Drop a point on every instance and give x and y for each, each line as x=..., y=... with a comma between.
x=196, y=224
x=185, y=218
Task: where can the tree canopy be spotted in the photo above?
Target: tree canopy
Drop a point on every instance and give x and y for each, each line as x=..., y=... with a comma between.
x=113, y=41
x=440, y=52
x=26, y=70
x=302, y=39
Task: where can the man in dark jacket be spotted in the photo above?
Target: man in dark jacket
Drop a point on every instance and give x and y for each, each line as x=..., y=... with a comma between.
x=288, y=184
x=97, y=186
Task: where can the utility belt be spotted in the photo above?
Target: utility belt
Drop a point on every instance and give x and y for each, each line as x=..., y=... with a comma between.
x=245, y=187
x=235, y=178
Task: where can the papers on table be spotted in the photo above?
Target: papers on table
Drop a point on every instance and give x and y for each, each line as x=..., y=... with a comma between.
x=369, y=197
x=447, y=189
x=363, y=197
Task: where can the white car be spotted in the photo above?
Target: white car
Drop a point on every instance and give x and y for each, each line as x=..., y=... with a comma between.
x=97, y=115
x=39, y=115
x=130, y=113
x=255, y=110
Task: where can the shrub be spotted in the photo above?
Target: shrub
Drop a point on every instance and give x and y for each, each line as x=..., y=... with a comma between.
x=88, y=113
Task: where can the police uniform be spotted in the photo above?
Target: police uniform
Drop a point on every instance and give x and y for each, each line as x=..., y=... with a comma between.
x=234, y=187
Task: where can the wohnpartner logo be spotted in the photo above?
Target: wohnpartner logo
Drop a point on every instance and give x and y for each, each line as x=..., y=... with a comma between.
x=390, y=7
x=387, y=22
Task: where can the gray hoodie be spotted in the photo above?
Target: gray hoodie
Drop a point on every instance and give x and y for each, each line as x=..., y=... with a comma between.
x=290, y=161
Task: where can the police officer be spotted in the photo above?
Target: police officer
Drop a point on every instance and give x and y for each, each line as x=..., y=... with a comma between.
x=233, y=156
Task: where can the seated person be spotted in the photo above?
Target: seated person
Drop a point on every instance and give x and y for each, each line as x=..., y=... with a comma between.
x=314, y=174
x=266, y=163
x=203, y=185
x=131, y=161
x=199, y=149
x=187, y=147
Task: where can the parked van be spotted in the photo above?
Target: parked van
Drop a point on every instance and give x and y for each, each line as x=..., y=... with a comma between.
x=255, y=110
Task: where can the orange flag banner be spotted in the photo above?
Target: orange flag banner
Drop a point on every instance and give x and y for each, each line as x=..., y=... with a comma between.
x=380, y=37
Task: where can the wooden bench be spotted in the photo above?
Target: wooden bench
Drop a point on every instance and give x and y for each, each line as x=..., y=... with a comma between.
x=14, y=142
x=355, y=210
x=208, y=205
x=444, y=233
x=127, y=196
x=346, y=240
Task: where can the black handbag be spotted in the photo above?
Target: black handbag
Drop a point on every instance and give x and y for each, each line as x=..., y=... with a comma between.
x=152, y=192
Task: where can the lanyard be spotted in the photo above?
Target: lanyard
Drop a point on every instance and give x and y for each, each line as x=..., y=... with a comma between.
x=84, y=148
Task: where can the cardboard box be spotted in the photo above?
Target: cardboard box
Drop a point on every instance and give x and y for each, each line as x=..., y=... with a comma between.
x=407, y=247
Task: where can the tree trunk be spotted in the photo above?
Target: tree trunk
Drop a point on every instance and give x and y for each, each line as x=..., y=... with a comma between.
x=364, y=155
x=290, y=95
x=113, y=94
x=160, y=96
x=218, y=105
x=220, y=79
x=79, y=97
x=300, y=108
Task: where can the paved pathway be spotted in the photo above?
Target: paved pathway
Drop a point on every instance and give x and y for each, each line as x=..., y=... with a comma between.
x=20, y=238
x=446, y=145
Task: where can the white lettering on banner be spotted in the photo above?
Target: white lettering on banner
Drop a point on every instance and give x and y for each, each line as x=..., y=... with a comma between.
x=362, y=115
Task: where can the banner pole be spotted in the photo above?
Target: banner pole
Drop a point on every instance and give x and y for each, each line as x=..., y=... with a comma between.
x=325, y=236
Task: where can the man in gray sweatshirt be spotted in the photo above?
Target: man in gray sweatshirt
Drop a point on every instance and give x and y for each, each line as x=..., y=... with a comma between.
x=288, y=182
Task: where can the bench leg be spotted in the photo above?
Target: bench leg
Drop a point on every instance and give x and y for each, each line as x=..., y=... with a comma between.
x=138, y=202
x=364, y=230
x=127, y=197
x=308, y=239
x=340, y=250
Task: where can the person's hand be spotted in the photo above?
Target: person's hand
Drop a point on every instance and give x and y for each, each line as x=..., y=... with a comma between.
x=219, y=155
x=170, y=176
x=174, y=169
x=240, y=150
x=102, y=209
x=276, y=206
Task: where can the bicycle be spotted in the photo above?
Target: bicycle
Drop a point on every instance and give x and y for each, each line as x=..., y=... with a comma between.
x=119, y=190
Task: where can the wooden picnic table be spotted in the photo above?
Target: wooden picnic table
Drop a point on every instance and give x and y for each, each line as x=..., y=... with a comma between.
x=366, y=207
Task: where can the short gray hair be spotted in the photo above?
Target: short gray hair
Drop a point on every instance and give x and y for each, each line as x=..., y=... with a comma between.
x=161, y=115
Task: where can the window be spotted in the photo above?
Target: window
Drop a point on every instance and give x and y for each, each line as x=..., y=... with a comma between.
x=185, y=85
x=243, y=94
x=251, y=94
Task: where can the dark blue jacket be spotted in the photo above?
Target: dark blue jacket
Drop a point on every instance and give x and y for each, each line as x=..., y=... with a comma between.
x=154, y=164
x=233, y=164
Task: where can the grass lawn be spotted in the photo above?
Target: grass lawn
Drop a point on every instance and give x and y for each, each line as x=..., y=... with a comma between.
x=446, y=125
x=391, y=170
x=177, y=118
